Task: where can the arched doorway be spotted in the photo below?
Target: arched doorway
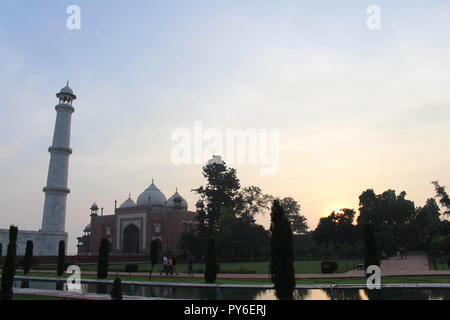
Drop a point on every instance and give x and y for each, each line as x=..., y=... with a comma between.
x=130, y=242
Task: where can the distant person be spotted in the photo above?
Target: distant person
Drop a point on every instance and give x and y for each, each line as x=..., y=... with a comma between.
x=174, y=263
x=170, y=265
x=165, y=269
x=190, y=266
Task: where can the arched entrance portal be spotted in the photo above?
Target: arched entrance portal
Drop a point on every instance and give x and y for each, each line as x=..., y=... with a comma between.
x=130, y=239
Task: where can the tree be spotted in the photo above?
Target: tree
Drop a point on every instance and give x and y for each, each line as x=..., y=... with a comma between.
x=444, y=199
x=103, y=259
x=28, y=259
x=116, y=293
x=211, y=267
x=220, y=191
x=9, y=269
x=325, y=230
x=389, y=213
x=61, y=258
x=281, y=252
x=251, y=201
x=372, y=256
x=292, y=210
x=1, y=253
x=155, y=250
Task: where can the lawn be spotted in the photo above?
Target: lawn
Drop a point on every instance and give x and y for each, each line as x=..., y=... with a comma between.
x=306, y=267
x=441, y=264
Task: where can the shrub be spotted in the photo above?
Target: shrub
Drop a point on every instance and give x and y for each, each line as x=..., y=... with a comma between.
x=211, y=267
x=9, y=268
x=329, y=266
x=61, y=258
x=28, y=259
x=116, y=293
x=131, y=267
x=103, y=259
x=281, y=253
x=371, y=248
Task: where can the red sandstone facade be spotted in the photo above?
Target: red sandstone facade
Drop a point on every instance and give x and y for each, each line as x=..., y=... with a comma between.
x=130, y=230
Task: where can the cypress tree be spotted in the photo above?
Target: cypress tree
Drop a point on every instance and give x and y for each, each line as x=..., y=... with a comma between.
x=211, y=268
x=1, y=253
x=28, y=259
x=116, y=293
x=103, y=259
x=372, y=256
x=155, y=249
x=61, y=258
x=9, y=269
x=281, y=253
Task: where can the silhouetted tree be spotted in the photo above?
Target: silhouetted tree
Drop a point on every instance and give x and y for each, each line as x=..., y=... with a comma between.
x=155, y=250
x=9, y=269
x=281, y=252
x=211, y=268
x=28, y=259
x=220, y=191
x=444, y=199
x=116, y=293
x=103, y=259
x=372, y=256
x=61, y=258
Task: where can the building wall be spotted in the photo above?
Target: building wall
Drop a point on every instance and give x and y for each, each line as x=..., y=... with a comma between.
x=44, y=243
x=171, y=223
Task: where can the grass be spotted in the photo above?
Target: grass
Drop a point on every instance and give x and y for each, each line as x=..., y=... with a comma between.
x=304, y=267
x=441, y=264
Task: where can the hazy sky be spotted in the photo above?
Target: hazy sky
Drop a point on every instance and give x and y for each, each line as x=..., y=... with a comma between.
x=355, y=108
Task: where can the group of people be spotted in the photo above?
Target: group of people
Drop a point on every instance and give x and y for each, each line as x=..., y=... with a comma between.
x=169, y=266
x=401, y=253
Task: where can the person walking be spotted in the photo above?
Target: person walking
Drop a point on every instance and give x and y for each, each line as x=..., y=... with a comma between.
x=170, y=265
x=174, y=263
x=190, y=266
x=164, y=268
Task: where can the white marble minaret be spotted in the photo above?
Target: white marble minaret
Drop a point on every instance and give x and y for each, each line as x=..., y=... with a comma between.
x=56, y=191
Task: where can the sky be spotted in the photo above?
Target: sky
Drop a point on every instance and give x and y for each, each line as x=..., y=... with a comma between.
x=355, y=108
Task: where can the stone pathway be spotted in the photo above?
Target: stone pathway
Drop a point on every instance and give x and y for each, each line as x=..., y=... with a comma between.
x=415, y=264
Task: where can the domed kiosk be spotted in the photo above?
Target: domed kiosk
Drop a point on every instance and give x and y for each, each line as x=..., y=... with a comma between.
x=133, y=225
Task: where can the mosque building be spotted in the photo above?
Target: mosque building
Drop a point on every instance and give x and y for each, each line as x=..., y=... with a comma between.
x=134, y=225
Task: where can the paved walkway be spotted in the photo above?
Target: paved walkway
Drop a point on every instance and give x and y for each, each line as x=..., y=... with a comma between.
x=415, y=264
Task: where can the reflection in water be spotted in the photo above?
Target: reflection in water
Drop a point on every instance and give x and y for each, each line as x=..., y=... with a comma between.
x=211, y=293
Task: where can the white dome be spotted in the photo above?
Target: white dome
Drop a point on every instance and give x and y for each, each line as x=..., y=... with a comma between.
x=152, y=196
x=128, y=203
x=171, y=202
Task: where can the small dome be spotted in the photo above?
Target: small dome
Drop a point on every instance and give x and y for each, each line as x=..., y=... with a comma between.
x=171, y=203
x=152, y=196
x=128, y=203
x=66, y=89
x=87, y=228
x=94, y=207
